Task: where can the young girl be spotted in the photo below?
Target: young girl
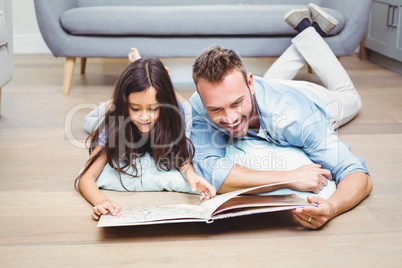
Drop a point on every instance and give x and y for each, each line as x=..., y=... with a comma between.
x=143, y=117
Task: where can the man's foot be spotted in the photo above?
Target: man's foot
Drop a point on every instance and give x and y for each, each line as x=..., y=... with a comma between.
x=298, y=19
x=134, y=55
x=322, y=21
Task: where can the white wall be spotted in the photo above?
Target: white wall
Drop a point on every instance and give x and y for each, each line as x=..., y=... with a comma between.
x=27, y=37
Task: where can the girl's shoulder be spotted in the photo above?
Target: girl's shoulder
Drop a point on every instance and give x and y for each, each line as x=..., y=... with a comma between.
x=103, y=136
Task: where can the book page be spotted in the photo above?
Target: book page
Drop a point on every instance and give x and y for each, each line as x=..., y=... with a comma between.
x=154, y=215
x=251, y=211
x=325, y=193
x=255, y=201
x=211, y=205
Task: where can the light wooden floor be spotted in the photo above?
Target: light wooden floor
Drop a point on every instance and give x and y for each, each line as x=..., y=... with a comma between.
x=45, y=223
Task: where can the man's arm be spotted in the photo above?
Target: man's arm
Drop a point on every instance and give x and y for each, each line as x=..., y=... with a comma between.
x=324, y=147
x=210, y=162
x=350, y=191
x=310, y=178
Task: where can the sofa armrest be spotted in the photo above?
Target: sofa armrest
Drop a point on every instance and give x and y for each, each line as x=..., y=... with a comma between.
x=357, y=16
x=48, y=15
x=7, y=47
x=9, y=17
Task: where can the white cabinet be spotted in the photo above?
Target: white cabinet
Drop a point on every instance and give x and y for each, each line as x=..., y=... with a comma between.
x=384, y=33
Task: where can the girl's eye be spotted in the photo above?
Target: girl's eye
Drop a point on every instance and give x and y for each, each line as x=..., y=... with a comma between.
x=152, y=109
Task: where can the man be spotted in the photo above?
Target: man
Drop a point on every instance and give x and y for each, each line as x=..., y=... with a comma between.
x=229, y=104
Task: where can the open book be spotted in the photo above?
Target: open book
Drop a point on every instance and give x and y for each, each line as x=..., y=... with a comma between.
x=260, y=199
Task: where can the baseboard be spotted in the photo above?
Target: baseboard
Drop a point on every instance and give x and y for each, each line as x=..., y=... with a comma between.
x=384, y=61
x=30, y=44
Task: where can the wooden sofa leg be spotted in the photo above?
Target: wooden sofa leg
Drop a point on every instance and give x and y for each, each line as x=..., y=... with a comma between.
x=83, y=65
x=68, y=74
x=362, y=50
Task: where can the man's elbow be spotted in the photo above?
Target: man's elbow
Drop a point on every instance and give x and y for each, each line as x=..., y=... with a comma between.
x=369, y=184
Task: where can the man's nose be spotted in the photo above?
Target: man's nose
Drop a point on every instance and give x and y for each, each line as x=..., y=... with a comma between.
x=231, y=116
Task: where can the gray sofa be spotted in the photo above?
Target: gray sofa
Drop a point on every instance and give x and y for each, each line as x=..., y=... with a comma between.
x=6, y=44
x=182, y=28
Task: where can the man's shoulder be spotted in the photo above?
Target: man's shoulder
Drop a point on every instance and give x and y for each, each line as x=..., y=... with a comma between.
x=272, y=93
x=268, y=94
x=195, y=97
x=268, y=89
x=196, y=103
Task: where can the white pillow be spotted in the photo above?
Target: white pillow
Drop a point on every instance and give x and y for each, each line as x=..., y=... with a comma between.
x=262, y=155
x=254, y=154
x=152, y=179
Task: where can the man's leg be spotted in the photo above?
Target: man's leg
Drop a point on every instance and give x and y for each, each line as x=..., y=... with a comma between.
x=322, y=60
x=334, y=77
x=290, y=62
x=286, y=66
x=309, y=47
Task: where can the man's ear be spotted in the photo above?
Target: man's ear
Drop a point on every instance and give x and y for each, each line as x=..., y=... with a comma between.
x=250, y=82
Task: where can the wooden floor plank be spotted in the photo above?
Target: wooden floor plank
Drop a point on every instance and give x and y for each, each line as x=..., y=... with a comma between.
x=44, y=222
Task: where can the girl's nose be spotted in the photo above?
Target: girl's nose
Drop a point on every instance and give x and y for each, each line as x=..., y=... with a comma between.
x=144, y=115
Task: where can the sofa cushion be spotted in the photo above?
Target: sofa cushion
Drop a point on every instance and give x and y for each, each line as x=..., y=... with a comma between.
x=91, y=3
x=3, y=29
x=260, y=20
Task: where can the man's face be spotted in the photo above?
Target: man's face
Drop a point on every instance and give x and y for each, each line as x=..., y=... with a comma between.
x=229, y=103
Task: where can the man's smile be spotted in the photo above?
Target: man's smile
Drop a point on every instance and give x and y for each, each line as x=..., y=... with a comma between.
x=235, y=127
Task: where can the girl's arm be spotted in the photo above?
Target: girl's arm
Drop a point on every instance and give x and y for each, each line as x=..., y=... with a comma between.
x=91, y=192
x=197, y=183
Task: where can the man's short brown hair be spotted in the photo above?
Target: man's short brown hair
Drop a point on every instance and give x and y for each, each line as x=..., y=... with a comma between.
x=215, y=62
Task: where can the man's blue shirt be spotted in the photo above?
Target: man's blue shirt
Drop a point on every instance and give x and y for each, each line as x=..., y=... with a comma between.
x=287, y=118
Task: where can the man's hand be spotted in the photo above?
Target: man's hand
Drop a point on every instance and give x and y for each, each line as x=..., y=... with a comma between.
x=350, y=191
x=312, y=178
x=314, y=217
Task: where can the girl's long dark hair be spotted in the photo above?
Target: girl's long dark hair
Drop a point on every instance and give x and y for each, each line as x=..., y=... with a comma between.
x=125, y=144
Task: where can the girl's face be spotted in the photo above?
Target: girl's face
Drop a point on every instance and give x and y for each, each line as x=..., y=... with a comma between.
x=143, y=109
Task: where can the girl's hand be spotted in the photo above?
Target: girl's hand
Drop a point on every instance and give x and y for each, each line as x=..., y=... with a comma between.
x=198, y=183
x=104, y=208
